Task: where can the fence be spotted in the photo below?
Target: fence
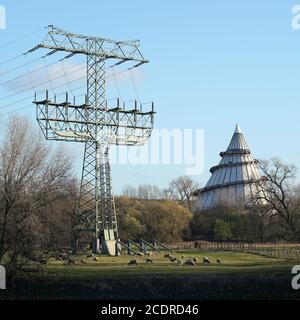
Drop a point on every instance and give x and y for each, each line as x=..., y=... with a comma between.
x=275, y=250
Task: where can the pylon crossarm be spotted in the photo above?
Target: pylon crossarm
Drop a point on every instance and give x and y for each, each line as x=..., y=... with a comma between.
x=70, y=122
x=102, y=48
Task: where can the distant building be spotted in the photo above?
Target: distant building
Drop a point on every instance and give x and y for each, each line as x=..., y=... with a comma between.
x=234, y=181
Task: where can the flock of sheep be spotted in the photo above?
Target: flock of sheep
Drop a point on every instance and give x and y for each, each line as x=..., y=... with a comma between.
x=66, y=258
x=191, y=261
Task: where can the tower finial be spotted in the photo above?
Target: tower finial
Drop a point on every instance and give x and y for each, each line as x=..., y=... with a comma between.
x=237, y=129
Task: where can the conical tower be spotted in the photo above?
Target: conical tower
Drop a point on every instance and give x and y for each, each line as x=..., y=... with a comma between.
x=234, y=180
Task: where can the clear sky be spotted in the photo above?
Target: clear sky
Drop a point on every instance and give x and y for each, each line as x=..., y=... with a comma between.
x=212, y=64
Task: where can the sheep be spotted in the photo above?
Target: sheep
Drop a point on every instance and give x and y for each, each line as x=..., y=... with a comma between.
x=206, y=260
x=95, y=259
x=71, y=261
x=132, y=262
x=180, y=262
x=182, y=256
x=43, y=261
x=149, y=253
x=149, y=260
x=60, y=257
x=83, y=261
x=219, y=261
x=190, y=262
x=166, y=255
x=195, y=259
x=140, y=254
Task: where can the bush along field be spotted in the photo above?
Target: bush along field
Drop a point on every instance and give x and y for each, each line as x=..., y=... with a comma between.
x=183, y=274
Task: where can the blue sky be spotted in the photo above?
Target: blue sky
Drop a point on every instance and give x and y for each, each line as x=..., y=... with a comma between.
x=212, y=64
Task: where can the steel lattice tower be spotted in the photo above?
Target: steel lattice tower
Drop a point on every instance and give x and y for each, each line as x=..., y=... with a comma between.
x=98, y=123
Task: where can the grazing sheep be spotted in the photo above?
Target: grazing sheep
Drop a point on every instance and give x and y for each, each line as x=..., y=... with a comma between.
x=195, y=259
x=61, y=257
x=149, y=261
x=132, y=262
x=190, y=262
x=166, y=255
x=219, y=261
x=206, y=260
x=83, y=261
x=173, y=259
x=180, y=262
x=71, y=261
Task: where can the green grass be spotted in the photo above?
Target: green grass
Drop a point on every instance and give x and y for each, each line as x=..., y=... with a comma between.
x=241, y=276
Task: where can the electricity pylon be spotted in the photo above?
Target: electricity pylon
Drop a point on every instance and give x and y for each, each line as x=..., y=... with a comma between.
x=98, y=123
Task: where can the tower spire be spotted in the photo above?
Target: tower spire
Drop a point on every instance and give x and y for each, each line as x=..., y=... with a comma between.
x=237, y=129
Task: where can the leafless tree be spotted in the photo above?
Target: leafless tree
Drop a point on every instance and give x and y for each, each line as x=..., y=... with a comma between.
x=32, y=178
x=144, y=191
x=279, y=197
x=129, y=191
x=148, y=191
x=182, y=189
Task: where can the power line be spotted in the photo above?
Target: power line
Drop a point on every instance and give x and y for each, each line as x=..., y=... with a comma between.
x=20, y=66
x=11, y=59
x=64, y=71
x=62, y=92
x=16, y=110
x=29, y=97
x=134, y=86
x=33, y=71
x=24, y=90
x=22, y=38
x=116, y=83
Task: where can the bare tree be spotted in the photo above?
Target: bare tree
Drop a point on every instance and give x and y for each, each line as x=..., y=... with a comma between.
x=148, y=191
x=32, y=177
x=143, y=191
x=182, y=189
x=279, y=196
x=129, y=191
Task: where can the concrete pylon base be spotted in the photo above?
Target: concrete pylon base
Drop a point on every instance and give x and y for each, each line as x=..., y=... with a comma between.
x=96, y=246
x=109, y=247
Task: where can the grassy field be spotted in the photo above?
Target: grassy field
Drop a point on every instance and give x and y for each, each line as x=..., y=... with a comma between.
x=241, y=276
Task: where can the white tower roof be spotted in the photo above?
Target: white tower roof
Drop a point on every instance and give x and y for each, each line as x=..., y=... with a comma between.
x=234, y=179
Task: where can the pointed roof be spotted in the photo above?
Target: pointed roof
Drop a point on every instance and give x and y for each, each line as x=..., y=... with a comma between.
x=238, y=141
x=234, y=179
